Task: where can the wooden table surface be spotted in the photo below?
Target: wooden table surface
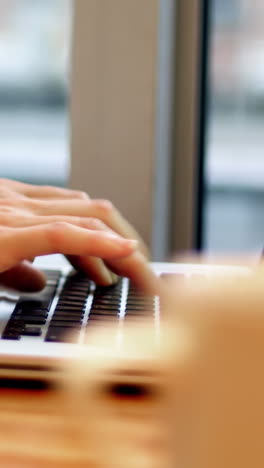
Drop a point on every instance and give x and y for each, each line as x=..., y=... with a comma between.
x=37, y=429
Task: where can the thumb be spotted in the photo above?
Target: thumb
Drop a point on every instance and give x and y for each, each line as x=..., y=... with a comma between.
x=23, y=277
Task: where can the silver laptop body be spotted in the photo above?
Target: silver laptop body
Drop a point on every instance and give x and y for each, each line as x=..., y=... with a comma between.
x=33, y=343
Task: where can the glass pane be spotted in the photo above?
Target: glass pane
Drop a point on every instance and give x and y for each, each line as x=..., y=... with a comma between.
x=234, y=213
x=34, y=57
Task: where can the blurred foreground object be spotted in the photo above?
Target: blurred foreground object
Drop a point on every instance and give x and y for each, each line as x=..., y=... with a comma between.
x=226, y=319
x=187, y=394
x=122, y=397
x=115, y=407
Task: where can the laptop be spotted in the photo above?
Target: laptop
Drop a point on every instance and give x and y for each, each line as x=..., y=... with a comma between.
x=39, y=331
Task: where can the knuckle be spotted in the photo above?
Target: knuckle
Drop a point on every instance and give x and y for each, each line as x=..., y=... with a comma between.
x=10, y=211
x=6, y=219
x=6, y=201
x=6, y=208
x=33, y=205
x=105, y=208
x=56, y=233
x=81, y=195
x=95, y=224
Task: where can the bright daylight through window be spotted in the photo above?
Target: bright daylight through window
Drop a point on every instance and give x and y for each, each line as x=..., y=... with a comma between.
x=234, y=218
x=34, y=72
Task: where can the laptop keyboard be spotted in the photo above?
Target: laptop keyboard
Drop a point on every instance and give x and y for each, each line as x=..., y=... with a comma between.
x=79, y=305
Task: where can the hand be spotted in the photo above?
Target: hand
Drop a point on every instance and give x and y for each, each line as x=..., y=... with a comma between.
x=92, y=234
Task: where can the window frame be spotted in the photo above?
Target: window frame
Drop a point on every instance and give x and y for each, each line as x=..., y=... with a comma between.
x=164, y=174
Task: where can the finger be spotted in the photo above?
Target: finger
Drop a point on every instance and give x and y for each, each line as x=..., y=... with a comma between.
x=23, y=277
x=49, y=192
x=20, y=220
x=94, y=268
x=138, y=270
x=42, y=191
x=23, y=243
x=101, y=209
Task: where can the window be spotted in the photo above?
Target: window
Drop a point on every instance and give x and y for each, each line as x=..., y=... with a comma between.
x=135, y=115
x=234, y=212
x=226, y=13
x=34, y=56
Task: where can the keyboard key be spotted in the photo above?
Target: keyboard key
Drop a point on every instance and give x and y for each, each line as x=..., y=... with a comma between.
x=71, y=302
x=65, y=319
x=103, y=318
x=33, y=304
x=139, y=300
x=73, y=295
x=32, y=331
x=110, y=301
x=139, y=313
x=138, y=307
x=66, y=324
x=135, y=319
x=37, y=313
x=10, y=328
x=11, y=336
x=15, y=323
x=64, y=308
x=41, y=300
x=32, y=308
x=77, y=288
x=114, y=287
x=77, y=282
x=103, y=312
x=33, y=320
x=105, y=307
x=69, y=310
x=80, y=305
x=62, y=335
x=149, y=305
x=107, y=293
x=69, y=318
x=141, y=296
x=61, y=315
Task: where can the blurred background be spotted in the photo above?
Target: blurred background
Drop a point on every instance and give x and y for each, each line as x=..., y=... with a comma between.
x=35, y=38
x=234, y=211
x=34, y=75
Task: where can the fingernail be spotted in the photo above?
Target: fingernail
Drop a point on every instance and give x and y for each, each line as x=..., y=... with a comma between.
x=107, y=277
x=115, y=278
x=124, y=244
x=133, y=244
